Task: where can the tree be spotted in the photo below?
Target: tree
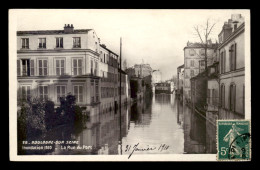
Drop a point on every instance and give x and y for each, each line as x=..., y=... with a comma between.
x=204, y=33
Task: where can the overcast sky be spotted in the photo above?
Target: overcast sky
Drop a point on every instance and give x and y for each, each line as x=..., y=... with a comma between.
x=155, y=36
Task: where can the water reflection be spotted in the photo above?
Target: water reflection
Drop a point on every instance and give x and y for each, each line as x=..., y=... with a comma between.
x=151, y=122
x=199, y=133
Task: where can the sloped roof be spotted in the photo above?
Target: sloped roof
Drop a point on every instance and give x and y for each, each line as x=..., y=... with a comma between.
x=50, y=32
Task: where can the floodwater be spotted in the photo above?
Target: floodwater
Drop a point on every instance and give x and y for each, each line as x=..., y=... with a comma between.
x=161, y=125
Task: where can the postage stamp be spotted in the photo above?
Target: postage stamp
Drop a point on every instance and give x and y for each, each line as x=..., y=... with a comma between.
x=233, y=140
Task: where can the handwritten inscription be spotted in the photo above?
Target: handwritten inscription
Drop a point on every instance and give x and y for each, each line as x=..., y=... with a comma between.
x=137, y=148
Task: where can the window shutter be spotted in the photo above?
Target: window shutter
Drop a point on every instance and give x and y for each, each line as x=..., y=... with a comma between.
x=32, y=67
x=230, y=59
x=57, y=42
x=235, y=56
x=224, y=62
x=61, y=42
x=45, y=65
x=18, y=67
x=27, y=42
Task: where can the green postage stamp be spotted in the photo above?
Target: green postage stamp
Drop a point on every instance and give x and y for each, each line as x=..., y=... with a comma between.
x=233, y=140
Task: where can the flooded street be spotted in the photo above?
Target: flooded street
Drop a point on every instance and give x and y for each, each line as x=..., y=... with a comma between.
x=162, y=124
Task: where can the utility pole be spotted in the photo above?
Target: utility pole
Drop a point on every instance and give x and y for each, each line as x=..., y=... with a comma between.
x=120, y=87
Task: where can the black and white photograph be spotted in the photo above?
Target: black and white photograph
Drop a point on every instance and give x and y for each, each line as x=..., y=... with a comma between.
x=129, y=84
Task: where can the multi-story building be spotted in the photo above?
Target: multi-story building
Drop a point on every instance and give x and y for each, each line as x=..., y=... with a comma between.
x=232, y=68
x=180, y=78
x=125, y=88
x=109, y=79
x=53, y=63
x=194, y=63
x=140, y=70
x=213, y=89
x=156, y=76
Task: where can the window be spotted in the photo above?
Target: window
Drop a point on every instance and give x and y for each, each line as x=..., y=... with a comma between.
x=25, y=43
x=59, y=42
x=61, y=92
x=26, y=92
x=91, y=67
x=222, y=102
x=235, y=26
x=192, y=63
x=97, y=91
x=43, y=67
x=104, y=58
x=232, y=57
x=96, y=69
x=42, y=42
x=77, y=67
x=223, y=61
x=25, y=67
x=208, y=96
x=191, y=73
x=202, y=63
x=202, y=52
x=92, y=91
x=192, y=52
x=43, y=91
x=60, y=67
x=232, y=97
x=76, y=42
x=78, y=93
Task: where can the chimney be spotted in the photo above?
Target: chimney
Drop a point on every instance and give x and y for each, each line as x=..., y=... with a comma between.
x=235, y=17
x=68, y=29
x=227, y=29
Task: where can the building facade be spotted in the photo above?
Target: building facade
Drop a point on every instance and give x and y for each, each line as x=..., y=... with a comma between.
x=180, y=79
x=194, y=63
x=232, y=69
x=53, y=63
x=156, y=76
x=142, y=70
x=109, y=79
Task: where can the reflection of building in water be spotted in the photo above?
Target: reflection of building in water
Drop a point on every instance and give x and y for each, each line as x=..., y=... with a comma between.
x=103, y=132
x=163, y=98
x=141, y=112
x=210, y=137
x=199, y=133
x=179, y=112
x=191, y=145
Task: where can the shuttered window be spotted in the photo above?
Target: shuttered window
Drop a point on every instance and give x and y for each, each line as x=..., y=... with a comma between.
x=77, y=66
x=78, y=92
x=61, y=92
x=43, y=92
x=43, y=67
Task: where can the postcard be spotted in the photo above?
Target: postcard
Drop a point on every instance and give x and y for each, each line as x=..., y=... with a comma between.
x=129, y=85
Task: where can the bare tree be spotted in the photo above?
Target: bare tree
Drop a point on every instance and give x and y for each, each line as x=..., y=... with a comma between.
x=203, y=34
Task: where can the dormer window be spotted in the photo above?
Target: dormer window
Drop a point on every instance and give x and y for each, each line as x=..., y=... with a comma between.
x=42, y=42
x=25, y=43
x=235, y=26
x=76, y=42
x=59, y=42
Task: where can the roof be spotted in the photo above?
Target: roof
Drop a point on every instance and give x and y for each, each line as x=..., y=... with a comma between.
x=200, y=45
x=104, y=46
x=121, y=71
x=239, y=30
x=182, y=66
x=50, y=32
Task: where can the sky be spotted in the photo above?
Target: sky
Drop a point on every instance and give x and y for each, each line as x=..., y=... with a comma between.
x=155, y=37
